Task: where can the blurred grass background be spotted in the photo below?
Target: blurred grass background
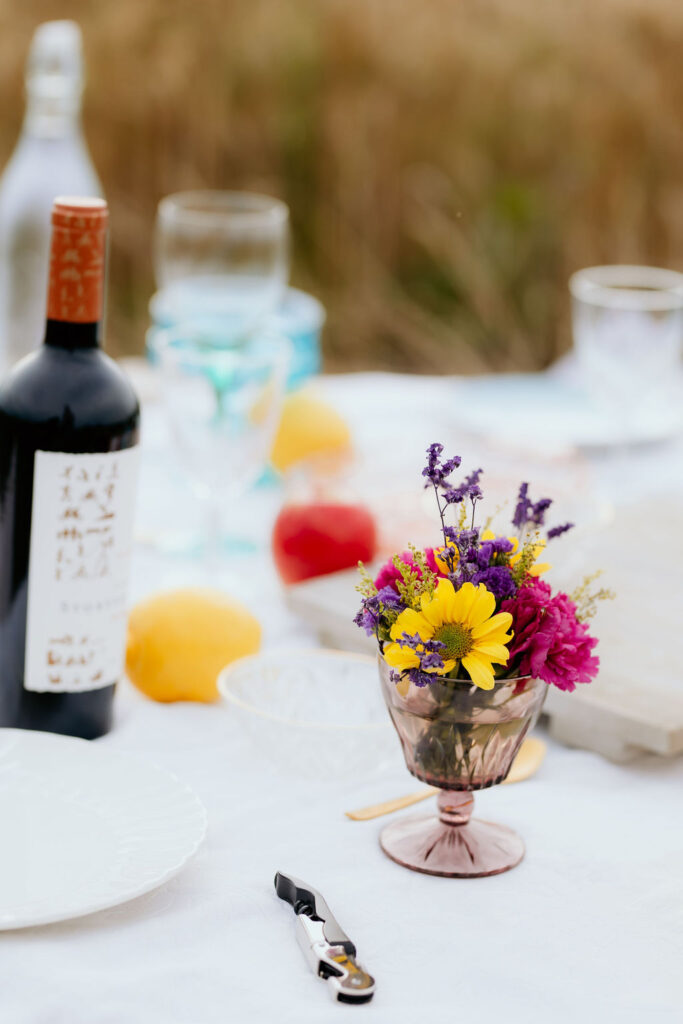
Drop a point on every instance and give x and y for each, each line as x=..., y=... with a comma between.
x=448, y=163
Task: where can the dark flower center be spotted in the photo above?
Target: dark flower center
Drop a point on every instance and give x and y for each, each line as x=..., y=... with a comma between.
x=457, y=640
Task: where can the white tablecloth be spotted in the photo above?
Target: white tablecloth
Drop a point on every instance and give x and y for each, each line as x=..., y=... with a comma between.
x=588, y=928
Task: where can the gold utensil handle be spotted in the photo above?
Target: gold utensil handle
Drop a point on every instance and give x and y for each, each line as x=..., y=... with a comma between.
x=528, y=760
x=389, y=806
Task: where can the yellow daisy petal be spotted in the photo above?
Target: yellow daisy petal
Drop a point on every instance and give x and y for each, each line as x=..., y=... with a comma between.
x=482, y=608
x=480, y=672
x=445, y=593
x=496, y=652
x=403, y=685
x=410, y=621
x=400, y=657
x=462, y=603
x=433, y=610
x=497, y=623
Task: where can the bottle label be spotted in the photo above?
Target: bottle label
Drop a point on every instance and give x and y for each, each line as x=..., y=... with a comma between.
x=81, y=541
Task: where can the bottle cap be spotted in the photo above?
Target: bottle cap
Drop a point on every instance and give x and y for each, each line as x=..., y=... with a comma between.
x=76, y=284
x=80, y=212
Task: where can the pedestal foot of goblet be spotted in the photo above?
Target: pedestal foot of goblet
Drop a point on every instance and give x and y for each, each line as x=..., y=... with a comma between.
x=452, y=845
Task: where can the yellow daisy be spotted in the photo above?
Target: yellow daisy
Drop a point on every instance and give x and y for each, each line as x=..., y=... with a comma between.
x=464, y=621
x=537, y=568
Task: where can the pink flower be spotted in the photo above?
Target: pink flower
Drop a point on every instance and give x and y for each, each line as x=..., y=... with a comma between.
x=549, y=640
x=389, y=574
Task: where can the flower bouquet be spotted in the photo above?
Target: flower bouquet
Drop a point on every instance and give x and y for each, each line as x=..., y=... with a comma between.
x=469, y=637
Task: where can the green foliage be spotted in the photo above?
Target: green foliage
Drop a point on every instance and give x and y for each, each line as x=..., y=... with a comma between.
x=409, y=585
x=527, y=557
x=428, y=577
x=366, y=586
x=586, y=600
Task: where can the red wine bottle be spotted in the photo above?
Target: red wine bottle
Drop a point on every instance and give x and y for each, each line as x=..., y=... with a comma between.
x=69, y=423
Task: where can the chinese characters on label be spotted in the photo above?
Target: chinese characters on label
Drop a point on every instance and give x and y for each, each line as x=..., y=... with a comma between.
x=81, y=536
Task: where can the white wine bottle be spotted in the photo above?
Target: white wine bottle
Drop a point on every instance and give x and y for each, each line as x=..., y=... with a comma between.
x=50, y=158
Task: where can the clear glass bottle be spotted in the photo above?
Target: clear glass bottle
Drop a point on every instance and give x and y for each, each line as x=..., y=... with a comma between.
x=50, y=158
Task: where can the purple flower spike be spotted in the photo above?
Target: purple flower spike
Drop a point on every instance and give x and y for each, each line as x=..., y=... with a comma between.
x=527, y=511
x=521, y=516
x=436, y=472
x=557, y=531
x=539, y=510
x=419, y=678
x=469, y=488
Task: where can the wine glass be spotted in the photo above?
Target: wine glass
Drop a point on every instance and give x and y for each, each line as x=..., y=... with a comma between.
x=460, y=739
x=222, y=255
x=223, y=399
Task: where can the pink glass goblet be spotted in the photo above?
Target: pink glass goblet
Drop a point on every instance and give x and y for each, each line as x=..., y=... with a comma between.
x=459, y=738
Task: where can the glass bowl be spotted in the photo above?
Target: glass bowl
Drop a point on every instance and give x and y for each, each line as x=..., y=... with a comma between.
x=313, y=712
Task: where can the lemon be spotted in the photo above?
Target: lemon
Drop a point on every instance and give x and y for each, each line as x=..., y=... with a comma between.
x=179, y=641
x=308, y=426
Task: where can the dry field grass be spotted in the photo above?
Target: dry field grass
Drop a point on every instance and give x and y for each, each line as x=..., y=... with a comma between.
x=448, y=163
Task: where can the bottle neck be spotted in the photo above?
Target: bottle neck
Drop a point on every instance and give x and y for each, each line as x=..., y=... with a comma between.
x=53, y=113
x=76, y=279
x=72, y=336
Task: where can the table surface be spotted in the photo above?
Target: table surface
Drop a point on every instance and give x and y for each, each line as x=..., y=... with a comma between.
x=589, y=927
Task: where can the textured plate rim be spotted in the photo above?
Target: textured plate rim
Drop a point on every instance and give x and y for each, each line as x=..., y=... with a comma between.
x=106, y=903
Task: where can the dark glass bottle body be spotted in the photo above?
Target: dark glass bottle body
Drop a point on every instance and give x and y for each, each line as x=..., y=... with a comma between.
x=66, y=397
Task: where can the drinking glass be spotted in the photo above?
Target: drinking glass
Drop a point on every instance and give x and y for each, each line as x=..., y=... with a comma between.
x=628, y=327
x=223, y=400
x=223, y=255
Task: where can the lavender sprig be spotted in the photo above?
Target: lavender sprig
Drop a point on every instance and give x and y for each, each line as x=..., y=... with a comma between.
x=528, y=512
x=374, y=607
x=557, y=531
x=469, y=488
x=429, y=653
x=435, y=471
x=437, y=474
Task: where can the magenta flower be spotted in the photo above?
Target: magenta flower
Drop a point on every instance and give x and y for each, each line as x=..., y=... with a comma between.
x=549, y=641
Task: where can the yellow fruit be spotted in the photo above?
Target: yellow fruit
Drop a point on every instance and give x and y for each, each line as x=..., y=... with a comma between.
x=179, y=641
x=308, y=426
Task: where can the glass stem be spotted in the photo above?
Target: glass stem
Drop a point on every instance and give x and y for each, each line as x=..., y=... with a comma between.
x=455, y=806
x=213, y=538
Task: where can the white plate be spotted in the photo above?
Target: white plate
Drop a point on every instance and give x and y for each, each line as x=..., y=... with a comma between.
x=84, y=828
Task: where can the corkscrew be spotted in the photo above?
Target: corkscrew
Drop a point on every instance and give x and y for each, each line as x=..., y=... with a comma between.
x=330, y=952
